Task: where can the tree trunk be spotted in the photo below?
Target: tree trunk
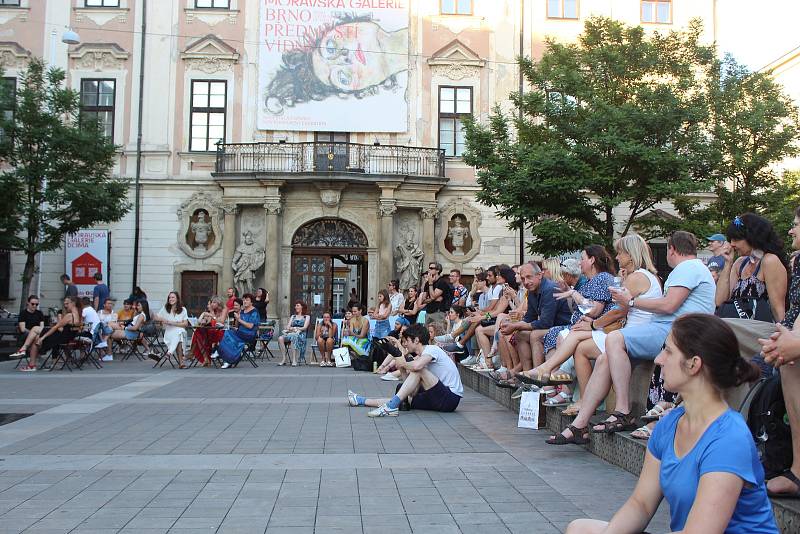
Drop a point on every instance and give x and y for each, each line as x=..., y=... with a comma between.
x=27, y=276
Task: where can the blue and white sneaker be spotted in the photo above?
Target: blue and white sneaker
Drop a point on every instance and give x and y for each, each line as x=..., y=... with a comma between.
x=384, y=411
x=352, y=398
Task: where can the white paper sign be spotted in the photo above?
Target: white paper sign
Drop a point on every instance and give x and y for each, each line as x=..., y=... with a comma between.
x=317, y=300
x=86, y=253
x=529, y=410
x=333, y=65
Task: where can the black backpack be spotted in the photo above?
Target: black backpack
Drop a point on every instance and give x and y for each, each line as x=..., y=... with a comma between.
x=766, y=418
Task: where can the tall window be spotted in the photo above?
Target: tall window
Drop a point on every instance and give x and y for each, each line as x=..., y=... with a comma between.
x=455, y=7
x=207, y=118
x=455, y=103
x=562, y=9
x=657, y=11
x=9, y=2
x=9, y=92
x=97, y=102
x=219, y=4
x=102, y=3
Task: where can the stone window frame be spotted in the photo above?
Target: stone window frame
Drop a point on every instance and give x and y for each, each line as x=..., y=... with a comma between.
x=99, y=4
x=455, y=116
x=196, y=4
x=11, y=81
x=99, y=108
x=208, y=110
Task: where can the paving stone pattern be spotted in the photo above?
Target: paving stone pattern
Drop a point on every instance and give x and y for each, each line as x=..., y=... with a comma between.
x=133, y=450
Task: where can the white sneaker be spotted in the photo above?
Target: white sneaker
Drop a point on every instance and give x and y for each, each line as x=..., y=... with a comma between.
x=108, y=358
x=102, y=345
x=471, y=360
x=389, y=377
x=18, y=354
x=214, y=355
x=225, y=365
x=352, y=399
x=383, y=411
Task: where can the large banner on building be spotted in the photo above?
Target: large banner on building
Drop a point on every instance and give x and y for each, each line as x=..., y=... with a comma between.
x=333, y=65
x=85, y=254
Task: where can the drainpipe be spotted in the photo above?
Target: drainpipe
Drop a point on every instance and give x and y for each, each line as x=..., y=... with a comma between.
x=136, y=231
x=521, y=90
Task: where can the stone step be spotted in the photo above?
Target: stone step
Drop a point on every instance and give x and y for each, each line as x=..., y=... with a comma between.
x=619, y=449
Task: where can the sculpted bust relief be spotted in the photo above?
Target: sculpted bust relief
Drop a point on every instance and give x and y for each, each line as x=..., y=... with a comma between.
x=202, y=231
x=458, y=234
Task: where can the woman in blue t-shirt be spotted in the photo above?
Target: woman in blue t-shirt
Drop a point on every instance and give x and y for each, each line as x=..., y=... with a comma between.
x=701, y=456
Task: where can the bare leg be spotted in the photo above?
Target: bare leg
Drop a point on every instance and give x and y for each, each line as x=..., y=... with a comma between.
x=523, y=348
x=282, y=345
x=586, y=526
x=563, y=351
x=620, y=368
x=790, y=382
x=596, y=390
x=469, y=333
x=584, y=354
x=33, y=354
x=32, y=335
x=508, y=354
x=483, y=335
x=537, y=346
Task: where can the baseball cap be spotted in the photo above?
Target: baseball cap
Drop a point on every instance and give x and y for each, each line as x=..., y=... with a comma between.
x=717, y=237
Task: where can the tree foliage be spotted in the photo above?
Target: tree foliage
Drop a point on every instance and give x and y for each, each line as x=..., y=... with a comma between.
x=57, y=168
x=754, y=127
x=618, y=117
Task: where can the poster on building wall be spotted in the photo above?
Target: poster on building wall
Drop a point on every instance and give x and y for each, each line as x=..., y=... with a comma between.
x=85, y=254
x=333, y=65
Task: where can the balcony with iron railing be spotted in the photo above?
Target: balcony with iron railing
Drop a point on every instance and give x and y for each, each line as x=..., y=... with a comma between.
x=329, y=157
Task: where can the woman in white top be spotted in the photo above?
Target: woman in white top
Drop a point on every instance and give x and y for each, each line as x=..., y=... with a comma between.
x=395, y=297
x=175, y=320
x=586, y=339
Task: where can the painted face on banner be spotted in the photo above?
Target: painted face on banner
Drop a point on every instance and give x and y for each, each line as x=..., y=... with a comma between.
x=350, y=57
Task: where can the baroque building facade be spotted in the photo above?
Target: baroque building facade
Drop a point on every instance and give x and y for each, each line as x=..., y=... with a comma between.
x=252, y=176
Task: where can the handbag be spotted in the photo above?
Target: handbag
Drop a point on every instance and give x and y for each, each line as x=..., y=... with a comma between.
x=616, y=325
x=488, y=322
x=746, y=308
x=529, y=410
x=342, y=357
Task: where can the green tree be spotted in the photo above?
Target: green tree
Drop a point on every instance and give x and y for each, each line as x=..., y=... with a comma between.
x=754, y=126
x=58, y=169
x=616, y=118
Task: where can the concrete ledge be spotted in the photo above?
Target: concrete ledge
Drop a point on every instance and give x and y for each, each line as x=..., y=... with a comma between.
x=619, y=449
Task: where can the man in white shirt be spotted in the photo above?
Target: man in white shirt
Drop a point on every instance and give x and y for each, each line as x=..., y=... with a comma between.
x=430, y=380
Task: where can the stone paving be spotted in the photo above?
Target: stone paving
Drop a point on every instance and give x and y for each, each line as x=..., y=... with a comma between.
x=134, y=450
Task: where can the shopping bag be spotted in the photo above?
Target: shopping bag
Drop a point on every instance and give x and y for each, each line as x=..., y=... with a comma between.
x=342, y=357
x=529, y=410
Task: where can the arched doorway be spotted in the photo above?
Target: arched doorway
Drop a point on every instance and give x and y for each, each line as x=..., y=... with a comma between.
x=329, y=258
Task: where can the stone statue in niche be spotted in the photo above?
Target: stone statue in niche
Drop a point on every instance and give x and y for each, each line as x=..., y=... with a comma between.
x=409, y=258
x=201, y=231
x=248, y=258
x=458, y=234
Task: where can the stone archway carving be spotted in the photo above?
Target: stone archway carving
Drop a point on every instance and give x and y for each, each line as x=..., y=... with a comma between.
x=200, y=233
x=329, y=233
x=459, y=238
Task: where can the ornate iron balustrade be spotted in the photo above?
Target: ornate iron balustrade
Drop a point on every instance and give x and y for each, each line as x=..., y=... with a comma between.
x=329, y=157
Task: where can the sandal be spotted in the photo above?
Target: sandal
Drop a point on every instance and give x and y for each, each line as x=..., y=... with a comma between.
x=560, y=377
x=787, y=495
x=511, y=383
x=655, y=413
x=559, y=399
x=534, y=377
x=577, y=437
x=643, y=433
x=500, y=375
x=571, y=410
x=623, y=421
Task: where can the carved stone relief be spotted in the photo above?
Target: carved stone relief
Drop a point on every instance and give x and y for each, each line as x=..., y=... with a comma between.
x=13, y=56
x=101, y=16
x=99, y=56
x=456, y=71
x=200, y=234
x=458, y=236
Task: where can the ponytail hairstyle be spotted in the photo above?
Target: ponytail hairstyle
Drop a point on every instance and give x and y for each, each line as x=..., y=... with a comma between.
x=717, y=347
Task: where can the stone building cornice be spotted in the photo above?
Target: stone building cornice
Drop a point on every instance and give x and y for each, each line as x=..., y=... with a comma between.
x=210, y=54
x=99, y=56
x=13, y=55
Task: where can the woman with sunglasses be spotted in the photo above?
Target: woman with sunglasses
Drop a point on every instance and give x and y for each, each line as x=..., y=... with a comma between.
x=760, y=273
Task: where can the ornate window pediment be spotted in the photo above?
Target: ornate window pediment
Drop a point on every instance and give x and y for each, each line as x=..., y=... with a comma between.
x=210, y=54
x=456, y=61
x=13, y=55
x=99, y=56
x=329, y=233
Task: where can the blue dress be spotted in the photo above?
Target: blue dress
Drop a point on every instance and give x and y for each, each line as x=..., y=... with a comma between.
x=297, y=339
x=234, y=341
x=594, y=289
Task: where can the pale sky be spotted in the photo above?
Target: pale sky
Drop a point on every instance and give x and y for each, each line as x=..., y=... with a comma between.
x=757, y=33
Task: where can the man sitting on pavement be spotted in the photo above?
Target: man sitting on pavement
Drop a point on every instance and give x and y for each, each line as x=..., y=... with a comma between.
x=544, y=312
x=430, y=380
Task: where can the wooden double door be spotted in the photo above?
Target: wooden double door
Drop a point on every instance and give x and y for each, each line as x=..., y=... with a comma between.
x=314, y=278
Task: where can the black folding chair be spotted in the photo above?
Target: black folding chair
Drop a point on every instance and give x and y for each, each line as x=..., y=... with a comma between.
x=266, y=331
x=249, y=353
